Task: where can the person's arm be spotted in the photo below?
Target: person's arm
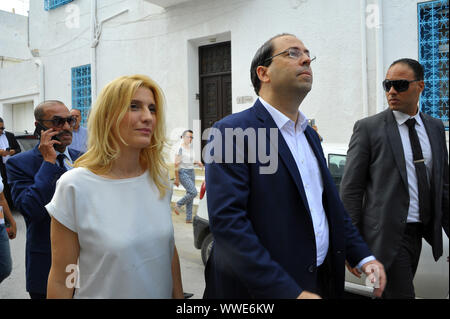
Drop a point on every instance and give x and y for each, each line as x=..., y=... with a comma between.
x=8, y=216
x=14, y=145
x=177, y=167
x=31, y=190
x=445, y=188
x=177, y=290
x=354, y=180
x=65, y=252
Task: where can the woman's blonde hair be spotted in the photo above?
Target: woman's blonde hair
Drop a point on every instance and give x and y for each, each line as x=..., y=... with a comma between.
x=103, y=130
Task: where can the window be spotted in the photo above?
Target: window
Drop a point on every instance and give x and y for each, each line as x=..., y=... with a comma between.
x=81, y=90
x=433, y=55
x=52, y=4
x=336, y=163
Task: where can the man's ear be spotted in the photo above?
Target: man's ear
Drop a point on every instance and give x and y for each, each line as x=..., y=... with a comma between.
x=421, y=85
x=262, y=72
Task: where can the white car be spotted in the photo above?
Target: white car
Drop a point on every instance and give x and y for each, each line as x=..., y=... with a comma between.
x=431, y=280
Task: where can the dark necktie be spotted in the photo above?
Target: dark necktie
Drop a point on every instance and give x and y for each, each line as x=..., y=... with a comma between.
x=421, y=172
x=60, y=159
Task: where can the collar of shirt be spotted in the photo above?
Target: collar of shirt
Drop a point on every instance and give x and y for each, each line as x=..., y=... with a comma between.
x=282, y=120
x=401, y=117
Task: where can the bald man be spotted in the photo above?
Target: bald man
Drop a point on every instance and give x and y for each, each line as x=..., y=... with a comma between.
x=32, y=176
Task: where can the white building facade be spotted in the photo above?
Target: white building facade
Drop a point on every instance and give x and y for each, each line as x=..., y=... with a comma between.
x=199, y=52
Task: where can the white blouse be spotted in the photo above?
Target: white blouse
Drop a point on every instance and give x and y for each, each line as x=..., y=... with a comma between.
x=125, y=234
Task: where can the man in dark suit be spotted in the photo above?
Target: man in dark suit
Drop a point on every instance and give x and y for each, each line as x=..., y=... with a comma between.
x=32, y=176
x=280, y=230
x=8, y=147
x=395, y=184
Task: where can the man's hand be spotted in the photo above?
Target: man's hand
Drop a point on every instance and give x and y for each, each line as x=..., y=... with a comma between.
x=12, y=230
x=308, y=295
x=4, y=153
x=376, y=275
x=354, y=271
x=46, y=145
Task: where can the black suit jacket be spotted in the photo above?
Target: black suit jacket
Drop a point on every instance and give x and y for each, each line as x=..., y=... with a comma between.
x=33, y=183
x=12, y=145
x=374, y=187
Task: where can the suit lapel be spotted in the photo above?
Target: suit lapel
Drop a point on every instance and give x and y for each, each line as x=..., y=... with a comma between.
x=433, y=138
x=396, y=145
x=283, y=149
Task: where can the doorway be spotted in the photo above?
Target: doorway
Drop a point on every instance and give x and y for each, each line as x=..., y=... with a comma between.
x=215, y=83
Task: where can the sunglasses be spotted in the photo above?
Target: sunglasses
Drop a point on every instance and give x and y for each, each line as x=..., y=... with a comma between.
x=2, y=128
x=399, y=85
x=58, y=121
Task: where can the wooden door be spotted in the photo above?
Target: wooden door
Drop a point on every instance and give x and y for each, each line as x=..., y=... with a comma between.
x=215, y=84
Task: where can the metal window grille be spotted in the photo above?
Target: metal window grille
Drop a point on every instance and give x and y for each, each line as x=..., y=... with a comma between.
x=81, y=90
x=433, y=55
x=52, y=4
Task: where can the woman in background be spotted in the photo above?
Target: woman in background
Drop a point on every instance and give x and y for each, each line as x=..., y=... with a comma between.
x=112, y=211
x=184, y=173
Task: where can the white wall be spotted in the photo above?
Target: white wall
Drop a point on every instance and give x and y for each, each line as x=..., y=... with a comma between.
x=163, y=43
x=13, y=36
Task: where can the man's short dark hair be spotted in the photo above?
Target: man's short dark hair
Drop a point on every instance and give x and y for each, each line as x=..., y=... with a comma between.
x=413, y=64
x=1, y=120
x=186, y=131
x=261, y=55
x=39, y=111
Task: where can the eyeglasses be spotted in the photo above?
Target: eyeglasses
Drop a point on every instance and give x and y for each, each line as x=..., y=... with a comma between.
x=399, y=85
x=293, y=53
x=59, y=122
x=2, y=128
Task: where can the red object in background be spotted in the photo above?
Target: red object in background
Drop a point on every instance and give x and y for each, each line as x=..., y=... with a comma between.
x=202, y=190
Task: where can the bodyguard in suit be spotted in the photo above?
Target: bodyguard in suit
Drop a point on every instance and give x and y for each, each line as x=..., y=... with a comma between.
x=395, y=184
x=32, y=176
x=280, y=231
x=8, y=147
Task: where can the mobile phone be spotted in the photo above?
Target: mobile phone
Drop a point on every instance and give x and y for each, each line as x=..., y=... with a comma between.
x=39, y=128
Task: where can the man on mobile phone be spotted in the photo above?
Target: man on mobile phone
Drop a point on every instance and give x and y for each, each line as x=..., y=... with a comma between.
x=32, y=177
x=8, y=148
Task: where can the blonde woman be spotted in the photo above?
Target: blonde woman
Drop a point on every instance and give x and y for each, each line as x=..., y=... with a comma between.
x=111, y=213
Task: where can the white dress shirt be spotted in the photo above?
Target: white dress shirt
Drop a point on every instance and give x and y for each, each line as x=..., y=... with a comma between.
x=308, y=167
x=4, y=144
x=401, y=118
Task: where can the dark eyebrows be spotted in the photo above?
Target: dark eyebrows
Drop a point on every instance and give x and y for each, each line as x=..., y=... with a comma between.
x=136, y=102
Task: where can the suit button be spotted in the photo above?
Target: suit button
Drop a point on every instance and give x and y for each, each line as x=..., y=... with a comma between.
x=338, y=252
x=311, y=268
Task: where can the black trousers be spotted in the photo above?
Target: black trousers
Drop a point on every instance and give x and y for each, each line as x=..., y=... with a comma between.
x=400, y=274
x=325, y=282
x=34, y=295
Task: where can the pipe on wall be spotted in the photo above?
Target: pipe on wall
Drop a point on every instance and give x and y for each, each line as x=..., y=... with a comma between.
x=380, y=58
x=365, y=90
x=40, y=65
x=94, y=43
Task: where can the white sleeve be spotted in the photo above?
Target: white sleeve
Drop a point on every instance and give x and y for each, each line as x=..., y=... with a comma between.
x=62, y=206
